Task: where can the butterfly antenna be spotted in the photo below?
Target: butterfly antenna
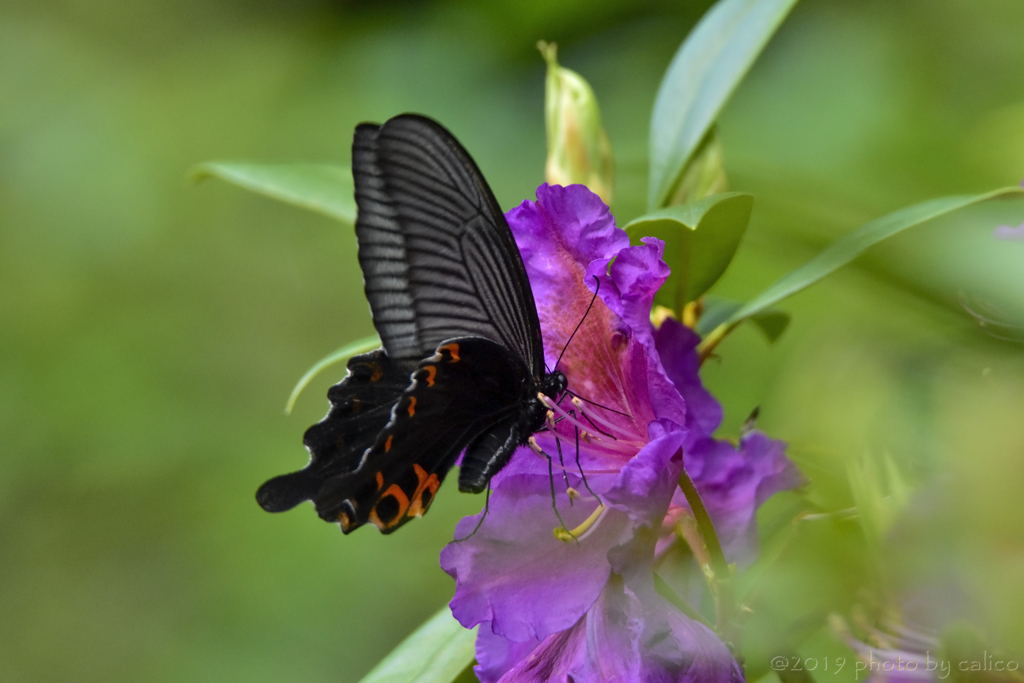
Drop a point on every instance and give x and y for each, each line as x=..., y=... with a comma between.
x=595, y=403
x=596, y=428
x=580, y=323
x=487, y=507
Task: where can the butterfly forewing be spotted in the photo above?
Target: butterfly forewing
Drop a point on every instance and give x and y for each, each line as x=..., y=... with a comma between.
x=382, y=255
x=456, y=261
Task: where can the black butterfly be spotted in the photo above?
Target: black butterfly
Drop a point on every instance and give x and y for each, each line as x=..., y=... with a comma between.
x=452, y=304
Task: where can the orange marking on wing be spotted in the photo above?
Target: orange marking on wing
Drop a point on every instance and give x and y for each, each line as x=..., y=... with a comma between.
x=412, y=406
x=403, y=507
x=453, y=349
x=377, y=371
x=427, y=483
x=344, y=521
x=431, y=374
x=375, y=520
x=380, y=480
x=387, y=444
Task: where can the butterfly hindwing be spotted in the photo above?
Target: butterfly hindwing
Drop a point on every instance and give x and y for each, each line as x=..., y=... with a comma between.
x=437, y=255
x=455, y=397
x=361, y=406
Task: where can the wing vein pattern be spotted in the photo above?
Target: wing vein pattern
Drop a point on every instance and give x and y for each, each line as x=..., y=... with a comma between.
x=438, y=258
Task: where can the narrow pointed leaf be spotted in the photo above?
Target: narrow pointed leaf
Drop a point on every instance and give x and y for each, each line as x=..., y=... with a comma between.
x=700, y=241
x=879, y=492
x=853, y=244
x=771, y=322
x=324, y=188
x=705, y=71
x=340, y=356
x=437, y=652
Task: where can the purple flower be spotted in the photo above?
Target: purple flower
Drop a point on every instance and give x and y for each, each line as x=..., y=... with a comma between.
x=898, y=655
x=733, y=480
x=584, y=608
x=1007, y=232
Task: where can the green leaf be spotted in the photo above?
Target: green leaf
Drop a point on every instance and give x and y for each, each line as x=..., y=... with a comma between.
x=704, y=175
x=850, y=246
x=323, y=188
x=879, y=495
x=705, y=71
x=771, y=322
x=439, y=651
x=700, y=240
x=341, y=355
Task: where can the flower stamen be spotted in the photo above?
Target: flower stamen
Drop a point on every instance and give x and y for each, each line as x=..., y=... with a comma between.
x=571, y=419
x=582, y=531
x=606, y=442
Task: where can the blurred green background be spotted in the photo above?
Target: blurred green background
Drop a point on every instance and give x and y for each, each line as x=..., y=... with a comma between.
x=150, y=331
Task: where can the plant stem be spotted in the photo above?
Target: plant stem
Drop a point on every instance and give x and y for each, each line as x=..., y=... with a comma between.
x=707, y=530
x=714, y=338
x=718, y=572
x=666, y=591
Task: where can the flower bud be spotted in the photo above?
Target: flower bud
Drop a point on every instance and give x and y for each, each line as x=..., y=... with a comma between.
x=578, y=146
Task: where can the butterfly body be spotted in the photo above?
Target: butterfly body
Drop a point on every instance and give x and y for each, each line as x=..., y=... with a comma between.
x=461, y=363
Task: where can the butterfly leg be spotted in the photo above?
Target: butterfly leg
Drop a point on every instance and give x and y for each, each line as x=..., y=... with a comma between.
x=561, y=461
x=552, y=425
x=487, y=508
x=535, y=447
x=580, y=467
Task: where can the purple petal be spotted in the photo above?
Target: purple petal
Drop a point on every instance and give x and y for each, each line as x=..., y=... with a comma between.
x=897, y=666
x=628, y=290
x=1006, y=232
x=626, y=637
x=647, y=482
x=514, y=573
x=558, y=236
x=495, y=655
x=733, y=482
x=628, y=283
x=565, y=223
x=677, y=347
x=525, y=461
x=567, y=238
x=554, y=660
